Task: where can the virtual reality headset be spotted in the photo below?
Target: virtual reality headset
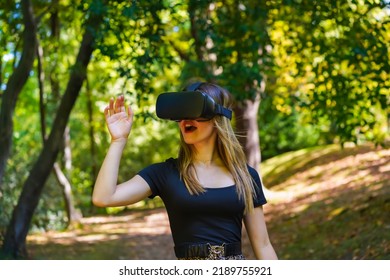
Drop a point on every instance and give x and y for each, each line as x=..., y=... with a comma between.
x=189, y=105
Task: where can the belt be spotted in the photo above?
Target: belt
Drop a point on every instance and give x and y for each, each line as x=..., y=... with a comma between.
x=207, y=250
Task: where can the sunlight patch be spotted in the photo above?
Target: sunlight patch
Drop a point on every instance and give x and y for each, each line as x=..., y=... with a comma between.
x=336, y=212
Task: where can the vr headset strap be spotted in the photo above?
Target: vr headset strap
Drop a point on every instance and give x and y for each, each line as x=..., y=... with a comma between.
x=219, y=110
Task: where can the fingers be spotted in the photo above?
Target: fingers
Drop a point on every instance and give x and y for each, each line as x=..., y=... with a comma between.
x=120, y=104
x=109, y=109
x=106, y=112
x=117, y=106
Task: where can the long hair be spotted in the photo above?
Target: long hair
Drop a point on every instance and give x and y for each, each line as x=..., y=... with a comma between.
x=229, y=150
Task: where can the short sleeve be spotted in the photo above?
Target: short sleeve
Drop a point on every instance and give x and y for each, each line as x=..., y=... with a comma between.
x=156, y=176
x=260, y=199
x=153, y=176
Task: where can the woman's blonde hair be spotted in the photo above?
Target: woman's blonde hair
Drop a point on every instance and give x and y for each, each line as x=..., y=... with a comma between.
x=228, y=148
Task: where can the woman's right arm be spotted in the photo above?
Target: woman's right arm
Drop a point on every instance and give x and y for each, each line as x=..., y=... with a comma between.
x=106, y=191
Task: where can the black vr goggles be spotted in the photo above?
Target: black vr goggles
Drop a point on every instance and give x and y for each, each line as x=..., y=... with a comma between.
x=189, y=105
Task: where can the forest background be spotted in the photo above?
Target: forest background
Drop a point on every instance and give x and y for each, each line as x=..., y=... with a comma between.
x=304, y=74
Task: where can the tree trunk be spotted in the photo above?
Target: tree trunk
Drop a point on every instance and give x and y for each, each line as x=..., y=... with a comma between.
x=94, y=166
x=15, y=84
x=73, y=214
x=15, y=238
x=41, y=79
x=248, y=130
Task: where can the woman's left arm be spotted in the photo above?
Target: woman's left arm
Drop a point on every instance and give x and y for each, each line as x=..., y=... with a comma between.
x=258, y=235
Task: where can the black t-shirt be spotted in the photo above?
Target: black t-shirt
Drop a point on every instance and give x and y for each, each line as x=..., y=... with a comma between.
x=214, y=216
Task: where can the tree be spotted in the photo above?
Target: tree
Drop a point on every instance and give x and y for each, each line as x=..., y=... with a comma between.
x=243, y=47
x=333, y=59
x=231, y=46
x=317, y=63
x=16, y=82
x=14, y=242
x=72, y=213
x=110, y=40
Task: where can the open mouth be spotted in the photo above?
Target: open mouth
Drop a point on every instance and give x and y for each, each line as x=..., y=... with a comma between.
x=189, y=128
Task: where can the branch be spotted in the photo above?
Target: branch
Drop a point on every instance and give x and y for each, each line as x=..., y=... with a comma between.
x=182, y=54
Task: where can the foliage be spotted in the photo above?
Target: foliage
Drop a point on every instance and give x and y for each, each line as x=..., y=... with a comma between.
x=230, y=45
x=325, y=67
x=335, y=59
x=282, y=131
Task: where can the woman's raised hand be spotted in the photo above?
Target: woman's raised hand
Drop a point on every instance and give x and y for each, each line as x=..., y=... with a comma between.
x=119, y=120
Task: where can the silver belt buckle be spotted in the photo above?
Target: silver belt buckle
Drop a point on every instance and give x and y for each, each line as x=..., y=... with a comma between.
x=216, y=252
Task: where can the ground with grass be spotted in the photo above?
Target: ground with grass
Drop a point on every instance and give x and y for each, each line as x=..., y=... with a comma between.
x=324, y=203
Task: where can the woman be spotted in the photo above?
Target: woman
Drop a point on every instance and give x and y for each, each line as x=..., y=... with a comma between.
x=208, y=190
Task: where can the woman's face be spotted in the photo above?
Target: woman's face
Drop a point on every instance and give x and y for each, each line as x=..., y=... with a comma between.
x=198, y=132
